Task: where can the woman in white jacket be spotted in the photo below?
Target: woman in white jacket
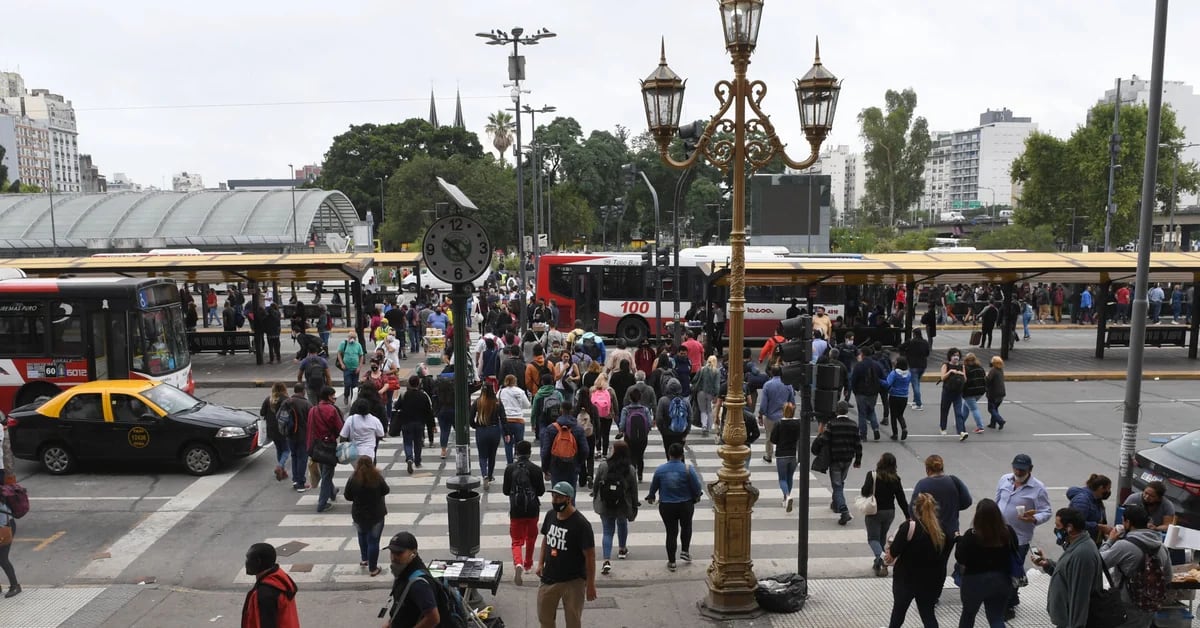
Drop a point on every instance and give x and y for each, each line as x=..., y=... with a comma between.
x=515, y=402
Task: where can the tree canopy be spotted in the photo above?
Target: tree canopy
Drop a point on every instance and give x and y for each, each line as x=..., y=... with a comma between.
x=897, y=143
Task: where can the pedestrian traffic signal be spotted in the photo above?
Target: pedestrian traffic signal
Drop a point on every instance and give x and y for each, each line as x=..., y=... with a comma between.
x=829, y=387
x=629, y=172
x=664, y=257
x=647, y=256
x=796, y=353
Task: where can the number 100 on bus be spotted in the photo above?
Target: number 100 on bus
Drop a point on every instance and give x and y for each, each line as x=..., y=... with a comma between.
x=635, y=307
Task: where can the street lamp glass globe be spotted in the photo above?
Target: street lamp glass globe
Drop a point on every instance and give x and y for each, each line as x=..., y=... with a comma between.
x=662, y=94
x=817, y=96
x=740, y=20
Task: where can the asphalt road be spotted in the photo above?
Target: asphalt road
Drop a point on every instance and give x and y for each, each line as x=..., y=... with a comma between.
x=125, y=524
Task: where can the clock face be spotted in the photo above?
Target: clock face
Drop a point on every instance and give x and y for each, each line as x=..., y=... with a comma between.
x=457, y=249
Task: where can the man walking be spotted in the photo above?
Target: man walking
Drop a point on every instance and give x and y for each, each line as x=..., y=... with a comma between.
x=774, y=395
x=845, y=448
x=414, y=599
x=1024, y=504
x=298, y=439
x=917, y=352
x=1155, y=297
x=864, y=383
x=349, y=357
x=272, y=601
x=564, y=448
x=567, y=566
x=324, y=426
x=524, y=487
x=948, y=491
x=314, y=372
x=1075, y=575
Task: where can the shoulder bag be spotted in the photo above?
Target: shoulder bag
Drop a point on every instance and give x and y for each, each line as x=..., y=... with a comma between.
x=868, y=505
x=1105, y=608
x=888, y=558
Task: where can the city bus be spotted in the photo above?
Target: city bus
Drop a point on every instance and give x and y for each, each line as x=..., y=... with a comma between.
x=55, y=333
x=614, y=294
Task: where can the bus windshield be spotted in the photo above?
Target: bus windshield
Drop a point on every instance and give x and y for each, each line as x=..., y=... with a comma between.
x=160, y=342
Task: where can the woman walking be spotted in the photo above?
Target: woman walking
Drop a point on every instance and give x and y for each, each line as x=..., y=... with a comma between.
x=786, y=438
x=567, y=377
x=707, y=385
x=974, y=389
x=363, y=428
x=884, y=483
x=616, y=501
x=6, y=515
x=681, y=489
x=487, y=419
x=919, y=551
x=603, y=403
x=896, y=384
x=269, y=412
x=984, y=554
x=365, y=491
x=515, y=402
x=995, y=392
x=953, y=378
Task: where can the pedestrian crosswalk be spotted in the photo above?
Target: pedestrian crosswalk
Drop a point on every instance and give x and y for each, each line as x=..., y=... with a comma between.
x=323, y=547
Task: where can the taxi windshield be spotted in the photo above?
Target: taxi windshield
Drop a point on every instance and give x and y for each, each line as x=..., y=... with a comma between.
x=171, y=399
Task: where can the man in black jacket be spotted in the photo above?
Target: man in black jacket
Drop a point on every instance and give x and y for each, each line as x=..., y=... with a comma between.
x=515, y=366
x=916, y=351
x=988, y=318
x=524, y=486
x=845, y=449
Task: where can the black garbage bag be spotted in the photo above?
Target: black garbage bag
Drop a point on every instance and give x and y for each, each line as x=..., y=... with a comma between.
x=785, y=593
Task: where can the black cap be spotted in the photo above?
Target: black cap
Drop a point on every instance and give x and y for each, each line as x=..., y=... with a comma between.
x=403, y=541
x=1022, y=462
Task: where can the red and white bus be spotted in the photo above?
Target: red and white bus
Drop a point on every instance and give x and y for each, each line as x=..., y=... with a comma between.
x=614, y=294
x=55, y=333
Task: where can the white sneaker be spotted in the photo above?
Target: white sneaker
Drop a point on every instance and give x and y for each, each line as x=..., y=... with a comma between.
x=943, y=432
x=517, y=572
x=787, y=504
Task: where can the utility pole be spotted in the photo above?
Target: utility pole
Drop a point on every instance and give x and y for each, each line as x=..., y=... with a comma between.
x=1114, y=151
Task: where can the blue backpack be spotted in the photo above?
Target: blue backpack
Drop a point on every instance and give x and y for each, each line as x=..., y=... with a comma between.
x=680, y=415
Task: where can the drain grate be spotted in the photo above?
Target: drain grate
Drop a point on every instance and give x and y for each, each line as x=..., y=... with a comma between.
x=602, y=602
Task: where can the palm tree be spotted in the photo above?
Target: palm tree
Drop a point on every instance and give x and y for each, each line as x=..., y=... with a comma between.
x=500, y=126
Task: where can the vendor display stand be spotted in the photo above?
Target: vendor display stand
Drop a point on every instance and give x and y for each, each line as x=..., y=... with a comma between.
x=435, y=346
x=1178, y=611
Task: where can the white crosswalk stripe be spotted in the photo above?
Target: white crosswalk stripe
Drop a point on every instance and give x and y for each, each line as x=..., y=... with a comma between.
x=329, y=548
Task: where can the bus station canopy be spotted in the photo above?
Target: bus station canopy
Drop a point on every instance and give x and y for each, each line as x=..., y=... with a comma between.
x=962, y=267
x=217, y=268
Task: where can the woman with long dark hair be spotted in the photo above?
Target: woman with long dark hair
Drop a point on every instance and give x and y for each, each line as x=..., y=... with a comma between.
x=919, y=552
x=269, y=412
x=985, y=555
x=616, y=500
x=487, y=419
x=884, y=483
x=365, y=490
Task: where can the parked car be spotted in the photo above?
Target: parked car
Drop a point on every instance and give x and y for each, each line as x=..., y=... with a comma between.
x=1176, y=464
x=130, y=419
x=429, y=281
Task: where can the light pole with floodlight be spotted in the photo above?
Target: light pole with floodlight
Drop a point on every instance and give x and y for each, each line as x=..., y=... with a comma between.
x=292, y=176
x=731, y=581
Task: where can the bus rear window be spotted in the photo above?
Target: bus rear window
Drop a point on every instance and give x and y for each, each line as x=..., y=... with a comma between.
x=23, y=328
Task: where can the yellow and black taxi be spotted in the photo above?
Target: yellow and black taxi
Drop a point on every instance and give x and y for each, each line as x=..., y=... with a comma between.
x=130, y=420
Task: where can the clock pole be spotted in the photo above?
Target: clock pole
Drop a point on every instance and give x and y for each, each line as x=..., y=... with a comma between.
x=463, y=501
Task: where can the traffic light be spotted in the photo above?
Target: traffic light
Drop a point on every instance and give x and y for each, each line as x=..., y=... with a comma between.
x=664, y=257
x=796, y=353
x=647, y=256
x=629, y=172
x=829, y=387
x=690, y=133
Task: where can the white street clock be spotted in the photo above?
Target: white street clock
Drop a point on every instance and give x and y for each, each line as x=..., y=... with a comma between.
x=457, y=249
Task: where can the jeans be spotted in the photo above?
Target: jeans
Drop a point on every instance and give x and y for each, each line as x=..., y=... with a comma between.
x=785, y=466
x=990, y=589
x=865, y=404
x=898, y=405
x=837, y=482
x=414, y=339
x=445, y=421
x=1155, y=310
x=903, y=594
x=916, y=385
x=618, y=524
x=1025, y=324
x=299, y=461
x=414, y=437
x=878, y=525
x=602, y=431
x=349, y=380
x=324, y=335
x=705, y=401
x=282, y=449
x=972, y=405
x=368, y=544
x=326, y=486
x=1014, y=596
x=487, y=441
x=950, y=401
x=677, y=518
x=1175, y=309
x=993, y=408
x=523, y=533
x=210, y=315
x=560, y=472
x=514, y=432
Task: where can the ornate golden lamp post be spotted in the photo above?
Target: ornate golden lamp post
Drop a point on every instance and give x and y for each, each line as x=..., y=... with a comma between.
x=731, y=580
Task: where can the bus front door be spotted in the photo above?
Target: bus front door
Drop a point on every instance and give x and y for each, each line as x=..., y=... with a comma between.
x=587, y=301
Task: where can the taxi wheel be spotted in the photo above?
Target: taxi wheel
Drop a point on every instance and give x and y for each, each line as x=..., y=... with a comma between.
x=57, y=459
x=199, y=459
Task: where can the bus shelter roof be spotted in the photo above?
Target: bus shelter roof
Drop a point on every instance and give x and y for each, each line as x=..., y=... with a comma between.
x=963, y=267
x=217, y=268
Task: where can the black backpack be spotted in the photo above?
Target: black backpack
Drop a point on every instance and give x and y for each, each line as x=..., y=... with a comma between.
x=286, y=420
x=314, y=374
x=551, y=409
x=612, y=490
x=523, y=499
x=955, y=382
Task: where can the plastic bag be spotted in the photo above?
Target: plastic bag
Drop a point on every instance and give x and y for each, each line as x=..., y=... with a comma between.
x=785, y=593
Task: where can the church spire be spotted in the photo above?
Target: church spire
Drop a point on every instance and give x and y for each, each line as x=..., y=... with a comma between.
x=458, y=116
x=433, y=120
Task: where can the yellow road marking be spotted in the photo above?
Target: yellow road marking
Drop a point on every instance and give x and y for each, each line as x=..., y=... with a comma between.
x=42, y=543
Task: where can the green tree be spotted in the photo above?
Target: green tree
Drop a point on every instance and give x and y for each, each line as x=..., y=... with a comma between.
x=413, y=193
x=897, y=144
x=1039, y=238
x=1061, y=177
x=358, y=158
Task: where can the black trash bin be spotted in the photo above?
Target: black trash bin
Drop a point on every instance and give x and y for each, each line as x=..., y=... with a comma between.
x=463, y=515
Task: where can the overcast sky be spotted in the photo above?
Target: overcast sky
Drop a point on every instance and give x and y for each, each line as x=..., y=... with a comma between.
x=155, y=83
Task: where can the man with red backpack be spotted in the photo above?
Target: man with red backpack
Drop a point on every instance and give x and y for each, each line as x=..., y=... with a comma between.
x=564, y=447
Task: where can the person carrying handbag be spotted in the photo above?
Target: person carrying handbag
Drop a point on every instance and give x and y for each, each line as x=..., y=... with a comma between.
x=324, y=426
x=615, y=501
x=884, y=485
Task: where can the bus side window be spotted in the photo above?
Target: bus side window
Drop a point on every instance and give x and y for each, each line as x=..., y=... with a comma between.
x=66, y=327
x=23, y=327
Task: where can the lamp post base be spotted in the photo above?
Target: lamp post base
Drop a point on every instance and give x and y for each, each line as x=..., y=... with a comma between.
x=729, y=609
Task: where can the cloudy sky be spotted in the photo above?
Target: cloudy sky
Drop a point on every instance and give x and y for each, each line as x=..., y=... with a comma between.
x=161, y=87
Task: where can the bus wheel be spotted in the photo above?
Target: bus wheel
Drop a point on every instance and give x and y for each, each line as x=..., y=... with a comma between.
x=633, y=331
x=32, y=393
x=199, y=459
x=57, y=459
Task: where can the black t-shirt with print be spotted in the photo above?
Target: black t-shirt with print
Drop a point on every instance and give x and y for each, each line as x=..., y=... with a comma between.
x=566, y=540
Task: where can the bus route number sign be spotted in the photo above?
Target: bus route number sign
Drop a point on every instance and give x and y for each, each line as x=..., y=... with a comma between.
x=635, y=307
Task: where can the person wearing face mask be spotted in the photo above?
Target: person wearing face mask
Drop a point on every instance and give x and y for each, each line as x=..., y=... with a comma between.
x=1089, y=500
x=953, y=380
x=1124, y=552
x=567, y=564
x=1075, y=575
x=272, y=601
x=1024, y=504
x=414, y=599
x=349, y=357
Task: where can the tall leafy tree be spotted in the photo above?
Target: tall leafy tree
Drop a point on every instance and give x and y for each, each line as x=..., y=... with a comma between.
x=897, y=143
x=360, y=156
x=501, y=127
x=1065, y=178
x=413, y=193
